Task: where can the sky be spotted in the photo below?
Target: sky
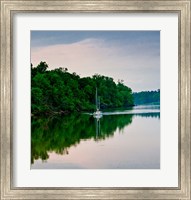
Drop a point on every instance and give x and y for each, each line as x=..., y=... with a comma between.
x=131, y=56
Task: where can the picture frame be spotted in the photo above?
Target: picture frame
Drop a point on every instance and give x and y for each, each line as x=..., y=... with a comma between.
x=8, y=9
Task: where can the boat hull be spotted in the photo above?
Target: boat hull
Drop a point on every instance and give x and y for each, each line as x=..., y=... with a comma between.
x=97, y=114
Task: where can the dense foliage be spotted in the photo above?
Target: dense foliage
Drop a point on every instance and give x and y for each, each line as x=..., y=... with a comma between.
x=58, y=91
x=147, y=97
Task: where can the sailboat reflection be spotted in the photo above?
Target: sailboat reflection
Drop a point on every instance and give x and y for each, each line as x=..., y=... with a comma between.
x=98, y=128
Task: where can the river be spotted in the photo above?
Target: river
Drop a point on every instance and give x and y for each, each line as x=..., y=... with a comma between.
x=121, y=139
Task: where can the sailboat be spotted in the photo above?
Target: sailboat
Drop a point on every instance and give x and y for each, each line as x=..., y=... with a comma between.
x=97, y=114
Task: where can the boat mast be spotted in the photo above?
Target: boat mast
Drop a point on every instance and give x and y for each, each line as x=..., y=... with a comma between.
x=96, y=100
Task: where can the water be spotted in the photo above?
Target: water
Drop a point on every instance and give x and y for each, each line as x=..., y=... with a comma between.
x=121, y=139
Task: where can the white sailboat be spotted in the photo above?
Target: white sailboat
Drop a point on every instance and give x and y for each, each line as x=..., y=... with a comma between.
x=97, y=114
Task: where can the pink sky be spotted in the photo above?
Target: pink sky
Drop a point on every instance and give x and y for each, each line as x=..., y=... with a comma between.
x=136, y=64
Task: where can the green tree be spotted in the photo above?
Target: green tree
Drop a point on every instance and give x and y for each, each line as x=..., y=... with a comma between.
x=58, y=91
x=147, y=97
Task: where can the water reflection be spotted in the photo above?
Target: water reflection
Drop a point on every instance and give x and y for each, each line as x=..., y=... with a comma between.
x=98, y=127
x=58, y=134
x=154, y=114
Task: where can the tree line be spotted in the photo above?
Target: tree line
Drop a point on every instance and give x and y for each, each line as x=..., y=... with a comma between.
x=147, y=97
x=58, y=91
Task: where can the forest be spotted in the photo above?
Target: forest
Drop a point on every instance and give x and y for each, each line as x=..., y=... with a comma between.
x=58, y=91
x=147, y=97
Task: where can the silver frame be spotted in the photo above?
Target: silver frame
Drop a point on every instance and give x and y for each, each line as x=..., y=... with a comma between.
x=8, y=8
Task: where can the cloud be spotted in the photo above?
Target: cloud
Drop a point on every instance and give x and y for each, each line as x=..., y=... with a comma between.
x=137, y=64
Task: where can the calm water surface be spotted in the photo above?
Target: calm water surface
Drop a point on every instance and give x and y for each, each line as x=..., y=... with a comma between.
x=121, y=139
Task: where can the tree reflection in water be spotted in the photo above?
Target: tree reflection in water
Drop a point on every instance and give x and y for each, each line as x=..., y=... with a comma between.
x=59, y=133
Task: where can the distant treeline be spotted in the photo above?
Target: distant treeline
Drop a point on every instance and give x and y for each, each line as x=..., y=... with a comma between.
x=58, y=91
x=147, y=97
